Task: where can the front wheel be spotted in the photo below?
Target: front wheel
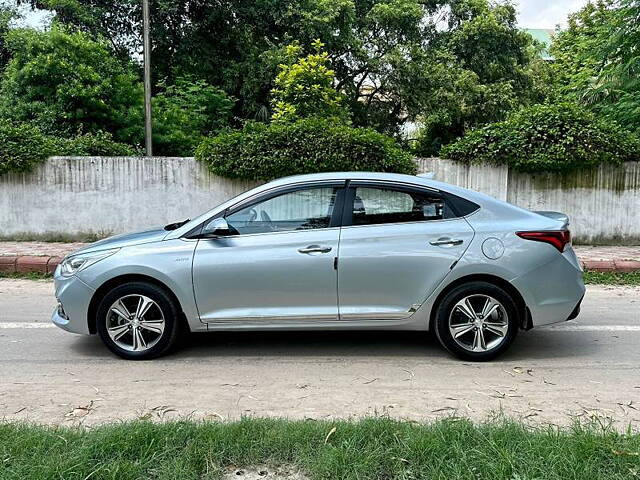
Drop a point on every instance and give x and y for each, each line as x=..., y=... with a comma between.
x=138, y=321
x=476, y=321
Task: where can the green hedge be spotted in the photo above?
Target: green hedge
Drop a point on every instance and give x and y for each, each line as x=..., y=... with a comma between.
x=547, y=138
x=264, y=152
x=22, y=146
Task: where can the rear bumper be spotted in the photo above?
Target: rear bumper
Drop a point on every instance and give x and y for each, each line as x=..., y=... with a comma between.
x=576, y=311
x=554, y=291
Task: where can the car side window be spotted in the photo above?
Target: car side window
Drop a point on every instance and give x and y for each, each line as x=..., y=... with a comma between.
x=373, y=206
x=303, y=209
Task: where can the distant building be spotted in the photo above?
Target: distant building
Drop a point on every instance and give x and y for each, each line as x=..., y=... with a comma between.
x=545, y=37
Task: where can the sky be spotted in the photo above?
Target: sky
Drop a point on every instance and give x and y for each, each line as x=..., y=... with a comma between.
x=546, y=13
x=533, y=13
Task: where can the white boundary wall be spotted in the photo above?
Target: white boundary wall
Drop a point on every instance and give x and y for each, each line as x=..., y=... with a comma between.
x=603, y=204
x=69, y=196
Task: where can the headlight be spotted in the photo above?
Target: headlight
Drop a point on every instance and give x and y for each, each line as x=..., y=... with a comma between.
x=75, y=263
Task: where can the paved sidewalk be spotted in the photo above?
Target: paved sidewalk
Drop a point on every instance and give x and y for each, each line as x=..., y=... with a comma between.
x=43, y=257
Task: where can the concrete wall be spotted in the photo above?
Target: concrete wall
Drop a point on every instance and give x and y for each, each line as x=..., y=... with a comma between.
x=75, y=196
x=603, y=204
x=70, y=196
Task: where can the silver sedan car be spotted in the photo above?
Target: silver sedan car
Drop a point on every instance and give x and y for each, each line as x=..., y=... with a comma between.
x=366, y=251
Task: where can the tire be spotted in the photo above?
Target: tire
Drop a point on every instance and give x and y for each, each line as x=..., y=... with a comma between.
x=478, y=337
x=138, y=337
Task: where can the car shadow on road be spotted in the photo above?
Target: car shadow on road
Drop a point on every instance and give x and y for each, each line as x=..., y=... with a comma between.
x=541, y=344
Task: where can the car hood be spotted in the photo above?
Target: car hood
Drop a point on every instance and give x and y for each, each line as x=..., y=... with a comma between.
x=125, y=240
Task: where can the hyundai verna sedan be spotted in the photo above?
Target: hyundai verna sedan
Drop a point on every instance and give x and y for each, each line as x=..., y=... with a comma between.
x=330, y=251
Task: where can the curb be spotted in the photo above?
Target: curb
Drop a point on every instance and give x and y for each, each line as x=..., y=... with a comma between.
x=47, y=264
x=616, y=266
x=29, y=264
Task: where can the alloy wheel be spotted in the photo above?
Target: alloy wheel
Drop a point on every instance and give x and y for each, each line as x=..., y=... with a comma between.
x=478, y=323
x=135, y=323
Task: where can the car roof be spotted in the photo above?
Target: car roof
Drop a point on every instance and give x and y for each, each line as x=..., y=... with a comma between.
x=388, y=177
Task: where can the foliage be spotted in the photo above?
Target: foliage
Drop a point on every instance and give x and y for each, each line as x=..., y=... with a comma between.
x=98, y=144
x=578, y=49
x=66, y=83
x=385, y=53
x=7, y=15
x=617, y=92
x=598, y=63
x=612, y=278
x=185, y=112
x=263, y=152
x=372, y=448
x=555, y=138
x=480, y=69
x=22, y=146
x=305, y=87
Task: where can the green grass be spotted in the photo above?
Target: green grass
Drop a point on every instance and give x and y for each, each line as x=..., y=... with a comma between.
x=55, y=237
x=602, y=278
x=27, y=276
x=377, y=448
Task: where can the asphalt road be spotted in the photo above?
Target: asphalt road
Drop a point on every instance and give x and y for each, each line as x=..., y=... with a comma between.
x=580, y=369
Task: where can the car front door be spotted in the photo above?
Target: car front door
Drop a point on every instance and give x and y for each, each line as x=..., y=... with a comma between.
x=278, y=265
x=397, y=244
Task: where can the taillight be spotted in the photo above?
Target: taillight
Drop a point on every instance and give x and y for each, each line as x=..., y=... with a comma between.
x=558, y=239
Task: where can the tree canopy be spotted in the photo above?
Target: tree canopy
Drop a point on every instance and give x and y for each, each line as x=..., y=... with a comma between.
x=598, y=62
x=452, y=64
x=67, y=83
x=446, y=66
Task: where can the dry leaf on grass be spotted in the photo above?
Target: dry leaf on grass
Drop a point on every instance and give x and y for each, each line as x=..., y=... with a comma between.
x=331, y=432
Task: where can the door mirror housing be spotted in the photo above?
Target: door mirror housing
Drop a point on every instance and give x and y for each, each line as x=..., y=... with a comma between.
x=218, y=227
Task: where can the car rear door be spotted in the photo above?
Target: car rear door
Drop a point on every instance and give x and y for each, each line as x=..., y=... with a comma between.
x=397, y=244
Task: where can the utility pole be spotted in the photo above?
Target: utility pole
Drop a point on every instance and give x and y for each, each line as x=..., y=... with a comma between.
x=147, y=78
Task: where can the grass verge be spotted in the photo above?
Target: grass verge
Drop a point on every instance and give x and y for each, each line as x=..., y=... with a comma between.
x=377, y=448
x=27, y=276
x=608, y=278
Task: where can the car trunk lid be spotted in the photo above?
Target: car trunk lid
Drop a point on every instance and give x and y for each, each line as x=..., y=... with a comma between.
x=561, y=217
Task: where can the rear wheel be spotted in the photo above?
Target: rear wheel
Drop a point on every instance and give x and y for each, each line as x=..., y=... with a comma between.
x=138, y=321
x=477, y=321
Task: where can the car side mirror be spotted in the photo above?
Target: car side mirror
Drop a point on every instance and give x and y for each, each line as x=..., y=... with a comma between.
x=217, y=227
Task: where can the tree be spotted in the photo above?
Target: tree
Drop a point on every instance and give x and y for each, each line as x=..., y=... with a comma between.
x=185, y=112
x=67, y=83
x=384, y=52
x=483, y=68
x=305, y=87
x=578, y=49
x=7, y=14
x=598, y=63
x=618, y=87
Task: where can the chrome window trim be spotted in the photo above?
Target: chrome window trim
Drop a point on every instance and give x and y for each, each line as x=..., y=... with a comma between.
x=246, y=235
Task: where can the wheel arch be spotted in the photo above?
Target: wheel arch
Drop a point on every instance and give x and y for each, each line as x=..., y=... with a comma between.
x=523, y=310
x=121, y=280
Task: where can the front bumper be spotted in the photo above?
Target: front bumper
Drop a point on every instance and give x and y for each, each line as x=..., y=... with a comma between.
x=74, y=297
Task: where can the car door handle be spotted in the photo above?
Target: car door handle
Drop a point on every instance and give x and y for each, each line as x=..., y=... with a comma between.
x=447, y=241
x=315, y=249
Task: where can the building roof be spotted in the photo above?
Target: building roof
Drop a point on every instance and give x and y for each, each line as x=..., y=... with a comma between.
x=545, y=37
